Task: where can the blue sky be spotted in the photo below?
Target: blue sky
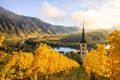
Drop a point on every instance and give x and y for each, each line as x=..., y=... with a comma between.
x=95, y=13
x=26, y=6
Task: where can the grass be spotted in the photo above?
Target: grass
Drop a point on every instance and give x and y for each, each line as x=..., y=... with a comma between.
x=75, y=74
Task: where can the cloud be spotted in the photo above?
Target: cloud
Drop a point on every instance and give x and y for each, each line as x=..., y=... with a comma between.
x=96, y=14
x=92, y=18
x=105, y=16
x=52, y=12
x=54, y=15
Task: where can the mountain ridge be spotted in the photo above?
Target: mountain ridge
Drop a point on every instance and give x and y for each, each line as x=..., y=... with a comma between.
x=19, y=26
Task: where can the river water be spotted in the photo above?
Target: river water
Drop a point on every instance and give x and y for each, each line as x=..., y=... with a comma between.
x=65, y=49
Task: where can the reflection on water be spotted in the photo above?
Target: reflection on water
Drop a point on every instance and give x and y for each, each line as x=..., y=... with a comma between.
x=65, y=49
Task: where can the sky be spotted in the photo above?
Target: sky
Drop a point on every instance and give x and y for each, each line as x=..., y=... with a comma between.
x=96, y=14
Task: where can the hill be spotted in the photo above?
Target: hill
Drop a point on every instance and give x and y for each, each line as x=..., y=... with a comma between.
x=96, y=35
x=18, y=26
x=72, y=41
x=92, y=38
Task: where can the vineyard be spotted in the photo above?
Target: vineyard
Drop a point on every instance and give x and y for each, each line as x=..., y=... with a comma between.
x=23, y=65
x=102, y=64
x=44, y=62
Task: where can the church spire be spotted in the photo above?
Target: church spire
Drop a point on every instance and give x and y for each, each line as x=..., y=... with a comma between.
x=83, y=40
x=83, y=45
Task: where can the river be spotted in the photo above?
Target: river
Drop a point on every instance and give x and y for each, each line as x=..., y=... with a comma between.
x=65, y=49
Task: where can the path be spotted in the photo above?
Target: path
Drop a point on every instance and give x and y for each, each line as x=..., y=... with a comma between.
x=77, y=74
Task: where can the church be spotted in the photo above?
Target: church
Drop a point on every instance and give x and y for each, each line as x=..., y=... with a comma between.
x=83, y=45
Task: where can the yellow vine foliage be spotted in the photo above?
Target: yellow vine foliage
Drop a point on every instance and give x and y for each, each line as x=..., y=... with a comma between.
x=47, y=61
x=24, y=65
x=114, y=41
x=105, y=63
x=17, y=63
x=1, y=40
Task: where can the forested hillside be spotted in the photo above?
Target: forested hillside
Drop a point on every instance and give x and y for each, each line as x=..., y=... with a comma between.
x=97, y=36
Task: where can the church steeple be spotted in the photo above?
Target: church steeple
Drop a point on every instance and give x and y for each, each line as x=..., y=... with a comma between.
x=83, y=45
x=83, y=40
